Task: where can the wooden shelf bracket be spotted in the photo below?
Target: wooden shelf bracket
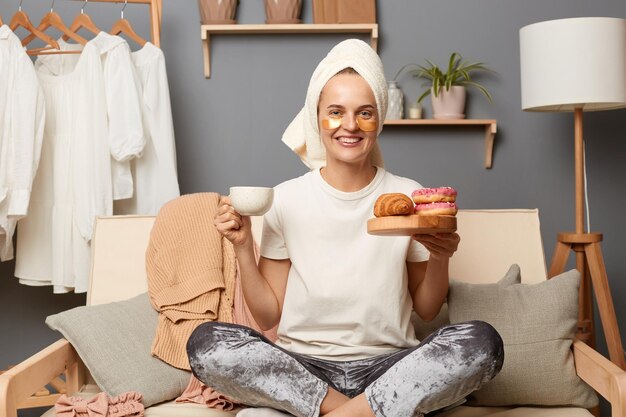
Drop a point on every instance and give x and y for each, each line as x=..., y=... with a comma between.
x=239, y=29
x=490, y=134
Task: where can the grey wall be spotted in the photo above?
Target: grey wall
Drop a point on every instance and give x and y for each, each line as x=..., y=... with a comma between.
x=228, y=128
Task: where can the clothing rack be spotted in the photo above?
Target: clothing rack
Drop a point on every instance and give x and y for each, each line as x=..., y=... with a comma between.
x=45, y=397
x=156, y=11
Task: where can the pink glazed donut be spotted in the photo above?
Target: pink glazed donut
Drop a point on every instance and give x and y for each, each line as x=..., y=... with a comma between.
x=431, y=195
x=441, y=208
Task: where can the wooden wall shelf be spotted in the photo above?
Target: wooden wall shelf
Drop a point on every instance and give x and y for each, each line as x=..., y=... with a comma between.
x=237, y=29
x=490, y=127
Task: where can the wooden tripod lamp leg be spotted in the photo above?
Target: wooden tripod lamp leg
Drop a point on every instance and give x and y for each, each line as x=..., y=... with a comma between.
x=605, y=303
x=586, y=324
x=559, y=259
x=562, y=250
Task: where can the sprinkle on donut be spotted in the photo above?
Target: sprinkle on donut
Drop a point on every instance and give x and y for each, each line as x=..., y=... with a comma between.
x=433, y=195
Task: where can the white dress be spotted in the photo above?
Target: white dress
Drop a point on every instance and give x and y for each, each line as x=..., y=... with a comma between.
x=22, y=115
x=156, y=179
x=73, y=183
x=126, y=135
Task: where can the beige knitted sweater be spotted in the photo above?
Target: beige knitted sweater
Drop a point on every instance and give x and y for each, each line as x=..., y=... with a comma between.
x=191, y=272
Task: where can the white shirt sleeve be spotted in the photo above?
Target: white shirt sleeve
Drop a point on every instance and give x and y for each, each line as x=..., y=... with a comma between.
x=273, y=242
x=417, y=252
x=91, y=169
x=4, y=89
x=26, y=135
x=126, y=136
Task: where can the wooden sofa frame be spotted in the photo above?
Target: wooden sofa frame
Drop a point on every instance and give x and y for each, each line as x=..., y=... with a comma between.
x=18, y=384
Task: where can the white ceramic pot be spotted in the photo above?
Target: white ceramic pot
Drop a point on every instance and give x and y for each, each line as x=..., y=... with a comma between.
x=395, y=108
x=449, y=104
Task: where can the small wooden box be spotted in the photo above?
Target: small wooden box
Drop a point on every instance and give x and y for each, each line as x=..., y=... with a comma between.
x=344, y=11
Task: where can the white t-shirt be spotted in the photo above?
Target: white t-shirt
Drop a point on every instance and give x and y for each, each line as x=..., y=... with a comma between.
x=347, y=292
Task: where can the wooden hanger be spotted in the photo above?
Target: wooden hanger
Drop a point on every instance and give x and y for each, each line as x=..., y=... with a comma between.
x=1, y=23
x=52, y=19
x=20, y=19
x=124, y=26
x=83, y=21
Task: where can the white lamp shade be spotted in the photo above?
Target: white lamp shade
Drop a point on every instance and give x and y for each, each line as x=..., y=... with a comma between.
x=574, y=63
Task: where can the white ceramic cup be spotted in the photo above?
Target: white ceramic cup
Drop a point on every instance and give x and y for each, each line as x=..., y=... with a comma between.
x=251, y=201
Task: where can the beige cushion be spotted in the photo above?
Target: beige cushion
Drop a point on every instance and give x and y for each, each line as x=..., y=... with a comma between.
x=118, y=270
x=171, y=409
x=119, y=247
x=537, y=324
x=465, y=411
x=118, y=250
x=492, y=240
x=114, y=340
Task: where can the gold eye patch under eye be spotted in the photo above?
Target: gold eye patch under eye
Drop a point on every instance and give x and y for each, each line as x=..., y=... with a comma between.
x=366, y=125
x=332, y=123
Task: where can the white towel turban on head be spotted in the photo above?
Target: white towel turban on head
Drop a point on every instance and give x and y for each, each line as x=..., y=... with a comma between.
x=302, y=134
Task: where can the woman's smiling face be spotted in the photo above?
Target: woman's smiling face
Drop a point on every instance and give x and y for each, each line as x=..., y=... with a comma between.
x=348, y=118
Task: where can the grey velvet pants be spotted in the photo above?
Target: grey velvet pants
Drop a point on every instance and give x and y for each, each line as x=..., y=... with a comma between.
x=444, y=368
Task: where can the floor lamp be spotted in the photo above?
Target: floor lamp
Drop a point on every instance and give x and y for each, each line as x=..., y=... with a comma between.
x=579, y=65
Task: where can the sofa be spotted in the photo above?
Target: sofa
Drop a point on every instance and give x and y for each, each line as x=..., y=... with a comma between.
x=561, y=377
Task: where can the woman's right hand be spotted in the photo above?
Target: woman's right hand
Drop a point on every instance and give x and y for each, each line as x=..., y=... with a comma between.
x=232, y=225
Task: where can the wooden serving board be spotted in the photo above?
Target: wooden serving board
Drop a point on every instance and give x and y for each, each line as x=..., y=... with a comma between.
x=410, y=225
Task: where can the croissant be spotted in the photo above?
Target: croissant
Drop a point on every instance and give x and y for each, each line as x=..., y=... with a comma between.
x=393, y=204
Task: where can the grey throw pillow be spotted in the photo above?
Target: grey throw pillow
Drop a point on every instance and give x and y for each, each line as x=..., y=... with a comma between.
x=537, y=324
x=114, y=341
x=424, y=328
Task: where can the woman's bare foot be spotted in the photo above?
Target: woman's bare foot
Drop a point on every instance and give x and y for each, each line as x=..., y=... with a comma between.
x=333, y=400
x=356, y=407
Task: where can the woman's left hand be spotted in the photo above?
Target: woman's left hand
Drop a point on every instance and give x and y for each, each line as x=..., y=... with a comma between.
x=440, y=245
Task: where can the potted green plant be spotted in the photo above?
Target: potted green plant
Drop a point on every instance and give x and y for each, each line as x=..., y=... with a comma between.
x=448, y=89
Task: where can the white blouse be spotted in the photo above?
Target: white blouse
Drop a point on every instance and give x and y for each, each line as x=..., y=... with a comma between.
x=156, y=179
x=22, y=115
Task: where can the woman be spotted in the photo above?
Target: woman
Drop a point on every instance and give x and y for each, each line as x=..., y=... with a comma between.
x=341, y=298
